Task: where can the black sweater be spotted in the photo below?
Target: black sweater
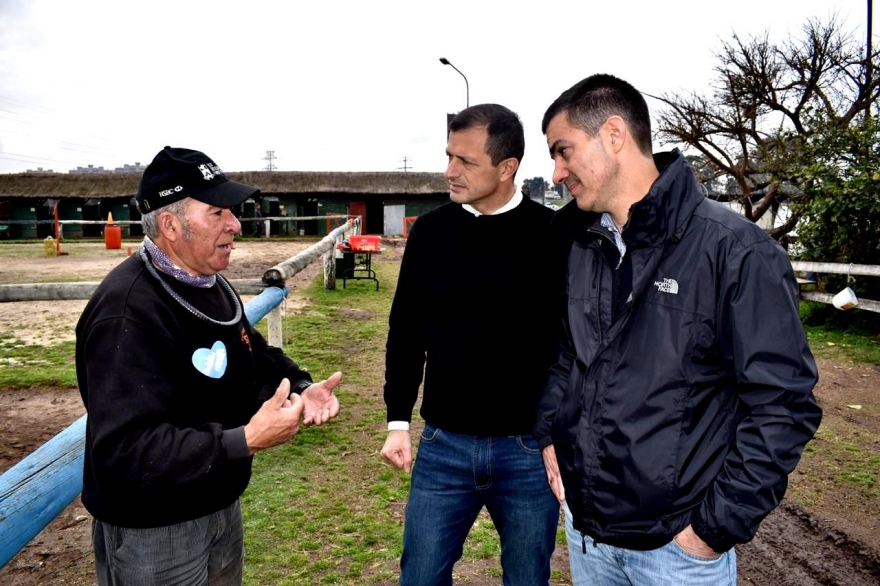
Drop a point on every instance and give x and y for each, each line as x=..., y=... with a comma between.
x=164, y=442
x=478, y=298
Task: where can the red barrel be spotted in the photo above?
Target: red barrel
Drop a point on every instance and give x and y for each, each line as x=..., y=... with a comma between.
x=113, y=236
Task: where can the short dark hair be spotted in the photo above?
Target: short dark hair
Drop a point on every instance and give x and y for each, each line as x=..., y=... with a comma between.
x=505, y=138
x=590, y=102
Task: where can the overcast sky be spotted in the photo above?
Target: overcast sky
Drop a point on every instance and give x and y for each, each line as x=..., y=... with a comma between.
x=337, y=85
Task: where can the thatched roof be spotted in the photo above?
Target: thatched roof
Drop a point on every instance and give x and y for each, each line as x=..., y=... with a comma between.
x=121, y=184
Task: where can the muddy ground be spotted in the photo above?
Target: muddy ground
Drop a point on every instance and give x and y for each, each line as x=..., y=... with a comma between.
x=828, y=535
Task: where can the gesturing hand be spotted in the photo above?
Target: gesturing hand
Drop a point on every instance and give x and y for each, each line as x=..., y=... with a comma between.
x=319, y=403
x=276, y=422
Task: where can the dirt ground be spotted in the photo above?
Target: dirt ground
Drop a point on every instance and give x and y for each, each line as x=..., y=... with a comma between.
x=833, y=539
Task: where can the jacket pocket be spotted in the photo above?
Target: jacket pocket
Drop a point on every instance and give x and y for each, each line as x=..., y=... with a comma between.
x=528, y=444
x=636, y=480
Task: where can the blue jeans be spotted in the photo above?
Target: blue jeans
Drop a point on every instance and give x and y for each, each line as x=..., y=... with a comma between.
x=205, y=551
x=605, y=565
x=454, y=477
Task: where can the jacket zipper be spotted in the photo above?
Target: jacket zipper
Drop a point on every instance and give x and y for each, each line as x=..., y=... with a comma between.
x=604, y=235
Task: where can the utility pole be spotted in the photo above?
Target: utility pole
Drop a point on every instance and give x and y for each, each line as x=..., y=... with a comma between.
x=869, y=51
x=405, y=168
x=270, y=156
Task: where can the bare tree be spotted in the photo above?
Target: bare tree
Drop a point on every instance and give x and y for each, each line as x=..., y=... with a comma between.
x=766, y=97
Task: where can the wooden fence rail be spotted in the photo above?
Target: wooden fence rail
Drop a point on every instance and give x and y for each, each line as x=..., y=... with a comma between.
x=274, y=277
x=85, y=289
x=838, y=269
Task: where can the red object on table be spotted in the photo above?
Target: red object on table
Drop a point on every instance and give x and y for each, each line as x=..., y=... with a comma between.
x=364, y=243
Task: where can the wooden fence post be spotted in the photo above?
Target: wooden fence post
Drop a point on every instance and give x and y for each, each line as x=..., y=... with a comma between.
x=276, y=337
x=330, y=269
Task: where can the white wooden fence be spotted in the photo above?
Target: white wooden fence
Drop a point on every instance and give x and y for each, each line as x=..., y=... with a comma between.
x=837, y=269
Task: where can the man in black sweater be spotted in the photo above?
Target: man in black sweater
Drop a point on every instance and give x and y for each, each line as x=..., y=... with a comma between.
x=475, y=310
x=180, y=390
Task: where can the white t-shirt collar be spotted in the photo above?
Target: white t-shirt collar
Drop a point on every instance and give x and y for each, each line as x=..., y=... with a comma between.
x=514, y=201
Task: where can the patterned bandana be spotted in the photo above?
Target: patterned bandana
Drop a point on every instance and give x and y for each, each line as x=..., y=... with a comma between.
x=164, y=264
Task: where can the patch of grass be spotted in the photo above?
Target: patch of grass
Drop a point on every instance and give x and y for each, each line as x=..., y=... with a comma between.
x=861, y=469
x=841, y=461
x=29, y=365
x=849, y=337
x=324, y=508
x=26, y=248
x=482, y=541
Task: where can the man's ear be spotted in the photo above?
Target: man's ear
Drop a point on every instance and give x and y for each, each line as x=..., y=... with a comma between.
x=170, y=227
x=508, y=168
x=615, y=134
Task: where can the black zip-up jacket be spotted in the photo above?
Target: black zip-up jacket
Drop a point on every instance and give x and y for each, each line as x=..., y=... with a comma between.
x=694, y=405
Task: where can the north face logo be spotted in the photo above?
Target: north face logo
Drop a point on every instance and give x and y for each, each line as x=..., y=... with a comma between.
x=667, y=286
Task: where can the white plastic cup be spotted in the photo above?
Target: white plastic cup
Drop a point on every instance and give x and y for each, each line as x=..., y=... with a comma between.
x=846, y=299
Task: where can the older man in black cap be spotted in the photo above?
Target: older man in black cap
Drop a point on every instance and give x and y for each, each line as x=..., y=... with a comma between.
x=180, y=390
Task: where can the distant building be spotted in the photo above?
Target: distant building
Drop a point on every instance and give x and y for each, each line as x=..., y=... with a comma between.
x=39, y=170
x=384, y=201
x=136, y=168
x=90, y=170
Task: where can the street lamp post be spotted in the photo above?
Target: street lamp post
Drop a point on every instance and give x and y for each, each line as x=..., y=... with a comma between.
x=467, y=90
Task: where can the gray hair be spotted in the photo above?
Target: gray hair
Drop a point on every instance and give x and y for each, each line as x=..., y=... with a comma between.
x=150, y=220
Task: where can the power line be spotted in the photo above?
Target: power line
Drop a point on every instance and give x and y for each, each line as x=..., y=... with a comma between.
x=31, y=158
x=14, y=119
x=85, y=146
x=25, y=106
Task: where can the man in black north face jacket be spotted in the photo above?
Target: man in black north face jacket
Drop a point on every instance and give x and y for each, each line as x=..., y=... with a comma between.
x=682, y=397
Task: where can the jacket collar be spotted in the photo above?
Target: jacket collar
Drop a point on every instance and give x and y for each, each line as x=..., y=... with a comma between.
x=663, y=214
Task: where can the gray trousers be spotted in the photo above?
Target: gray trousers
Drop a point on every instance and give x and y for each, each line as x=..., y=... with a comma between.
x=203, y=552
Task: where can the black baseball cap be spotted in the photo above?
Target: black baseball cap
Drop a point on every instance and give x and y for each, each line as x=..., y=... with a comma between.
x=177, y=173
